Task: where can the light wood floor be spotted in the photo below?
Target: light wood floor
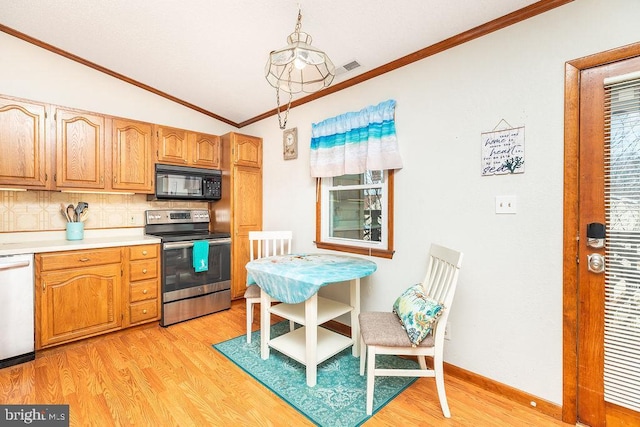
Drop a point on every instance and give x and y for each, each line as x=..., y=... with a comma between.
x=153, y=376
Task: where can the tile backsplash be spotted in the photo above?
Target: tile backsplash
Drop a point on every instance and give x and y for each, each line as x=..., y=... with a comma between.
x=40, y=210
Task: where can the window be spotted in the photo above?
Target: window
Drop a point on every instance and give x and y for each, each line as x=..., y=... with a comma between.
x=354, y=213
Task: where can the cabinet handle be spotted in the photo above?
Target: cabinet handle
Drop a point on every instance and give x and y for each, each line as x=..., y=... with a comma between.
x=44, y=287
x=144, y=311
x=84, y=259
x=144, y=271
x=145, y=291
x=144, y=252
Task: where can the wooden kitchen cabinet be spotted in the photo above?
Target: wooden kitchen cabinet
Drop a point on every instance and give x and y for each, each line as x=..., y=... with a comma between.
x=132, y=161
x=143, y=290
x=185, y=148
x=78, y=295
x=26, y=161
x=172, y=146
x=205, y=150
x=240, y=209
x=246, y=150
x=50, y=147
x=89, y=292
x=103, y=153
x=80, y=146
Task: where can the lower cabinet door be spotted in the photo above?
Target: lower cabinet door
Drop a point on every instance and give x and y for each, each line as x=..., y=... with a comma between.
x=79, y=303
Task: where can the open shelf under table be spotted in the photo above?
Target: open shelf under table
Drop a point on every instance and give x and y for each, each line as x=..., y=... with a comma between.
x=293, y=344
x=327, y=309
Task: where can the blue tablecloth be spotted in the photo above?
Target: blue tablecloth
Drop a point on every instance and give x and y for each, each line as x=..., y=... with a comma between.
x=296, y=278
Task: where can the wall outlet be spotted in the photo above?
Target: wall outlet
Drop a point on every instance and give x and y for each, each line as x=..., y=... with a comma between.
x=447, y=331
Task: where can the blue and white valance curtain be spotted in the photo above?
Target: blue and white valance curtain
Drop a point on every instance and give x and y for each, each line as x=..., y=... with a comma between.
x=353, y=143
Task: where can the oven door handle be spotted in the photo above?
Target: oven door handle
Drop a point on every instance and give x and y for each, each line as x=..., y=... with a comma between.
x=182, y=245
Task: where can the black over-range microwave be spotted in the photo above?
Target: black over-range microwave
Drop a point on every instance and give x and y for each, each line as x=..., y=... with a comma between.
x=187, y=183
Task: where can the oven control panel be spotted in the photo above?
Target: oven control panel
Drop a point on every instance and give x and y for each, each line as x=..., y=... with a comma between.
x=176, y=216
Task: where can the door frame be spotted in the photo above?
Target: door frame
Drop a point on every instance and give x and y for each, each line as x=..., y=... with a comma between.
x=570, y=302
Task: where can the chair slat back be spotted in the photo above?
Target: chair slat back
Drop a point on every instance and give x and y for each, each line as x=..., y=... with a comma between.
x=442, y=274
x=268, y=243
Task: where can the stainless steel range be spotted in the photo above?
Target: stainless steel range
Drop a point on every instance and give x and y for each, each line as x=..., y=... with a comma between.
x=187, y=294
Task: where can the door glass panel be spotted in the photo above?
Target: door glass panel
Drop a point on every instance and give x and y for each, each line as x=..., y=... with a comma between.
x=622, y=276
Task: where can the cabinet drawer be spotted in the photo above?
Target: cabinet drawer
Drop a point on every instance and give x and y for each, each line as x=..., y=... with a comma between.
x=143, y=252
x=145, y=269
x=145, y=310
x=76, y=259
x=144, y=290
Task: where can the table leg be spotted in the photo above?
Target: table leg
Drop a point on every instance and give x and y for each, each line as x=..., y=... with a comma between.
x=311, y=338
x=265, y=324
x=354, y=290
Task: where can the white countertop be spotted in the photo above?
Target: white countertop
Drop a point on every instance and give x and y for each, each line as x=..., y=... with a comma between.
x=54, y=241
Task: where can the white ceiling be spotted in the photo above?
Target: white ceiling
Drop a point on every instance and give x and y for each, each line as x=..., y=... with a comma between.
x=212, y=53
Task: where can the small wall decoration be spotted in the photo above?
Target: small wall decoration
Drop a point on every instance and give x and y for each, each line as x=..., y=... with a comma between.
x=290, y=144
x=503, y=150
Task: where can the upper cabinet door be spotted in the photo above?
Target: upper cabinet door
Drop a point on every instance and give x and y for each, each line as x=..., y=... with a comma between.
x=132, y=156
x=205, y=150
x=80, y=143
x=247, y=150
x=173, y=146
x=23, y=140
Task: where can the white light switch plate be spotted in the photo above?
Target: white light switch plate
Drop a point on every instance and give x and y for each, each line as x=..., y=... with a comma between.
x=506, y=204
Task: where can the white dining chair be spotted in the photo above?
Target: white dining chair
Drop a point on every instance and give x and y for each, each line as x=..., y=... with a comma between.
x=264, y=244
x=382, y=332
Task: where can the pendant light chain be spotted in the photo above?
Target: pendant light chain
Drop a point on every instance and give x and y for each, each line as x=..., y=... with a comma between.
x=283, y=125
x=299, y=23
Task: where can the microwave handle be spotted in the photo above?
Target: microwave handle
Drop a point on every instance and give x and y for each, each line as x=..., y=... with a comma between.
x=182, y=245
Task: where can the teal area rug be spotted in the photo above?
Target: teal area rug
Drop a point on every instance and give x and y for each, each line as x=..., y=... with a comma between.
x=338, y=399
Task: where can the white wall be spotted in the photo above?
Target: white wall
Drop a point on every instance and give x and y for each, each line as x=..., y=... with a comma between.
x=507, y=319
x=33, y=73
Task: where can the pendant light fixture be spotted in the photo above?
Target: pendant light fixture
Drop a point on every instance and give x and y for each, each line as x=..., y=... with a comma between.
x=298, y=67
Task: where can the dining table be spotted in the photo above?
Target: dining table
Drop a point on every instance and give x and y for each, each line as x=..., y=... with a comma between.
x=294, y=280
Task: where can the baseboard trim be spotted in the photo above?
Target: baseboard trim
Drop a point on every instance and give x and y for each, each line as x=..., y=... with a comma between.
x=534, y=402
x=511, y=393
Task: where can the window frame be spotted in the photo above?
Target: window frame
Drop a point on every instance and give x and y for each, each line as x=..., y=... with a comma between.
x=360, y=250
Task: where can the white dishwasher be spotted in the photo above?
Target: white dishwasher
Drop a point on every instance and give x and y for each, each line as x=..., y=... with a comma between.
x=16, y=310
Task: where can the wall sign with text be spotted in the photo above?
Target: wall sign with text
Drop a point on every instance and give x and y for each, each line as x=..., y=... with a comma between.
x=503, y=151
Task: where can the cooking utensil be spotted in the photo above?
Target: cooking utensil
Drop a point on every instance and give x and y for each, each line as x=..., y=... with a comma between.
x=63, y=210
x=71, y=213
x=84, y=215
x=80, y=208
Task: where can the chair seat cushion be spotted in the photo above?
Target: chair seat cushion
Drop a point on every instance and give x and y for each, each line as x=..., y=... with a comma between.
x=383, y=328
x=253, y=291
x=417, y=312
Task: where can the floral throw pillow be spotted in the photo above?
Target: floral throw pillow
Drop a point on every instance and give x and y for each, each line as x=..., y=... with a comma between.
x=417, y=312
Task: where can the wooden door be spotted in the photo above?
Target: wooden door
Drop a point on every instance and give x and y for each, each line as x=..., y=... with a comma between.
x=601, y=400
x=23, y=140
x=172, y=146
x=132, y=156
x=247, y=216
x=78, y=303
x=205, y=150
x=80, y=143
x=247, y=150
